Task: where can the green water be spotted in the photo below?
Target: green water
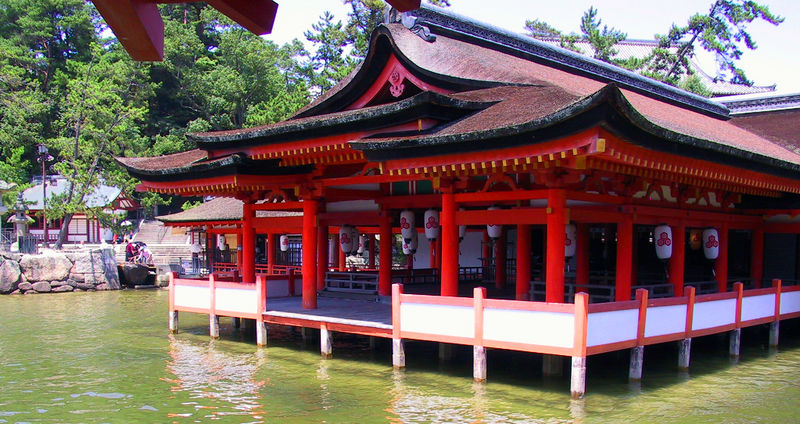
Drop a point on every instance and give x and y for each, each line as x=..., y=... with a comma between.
x=107, y=357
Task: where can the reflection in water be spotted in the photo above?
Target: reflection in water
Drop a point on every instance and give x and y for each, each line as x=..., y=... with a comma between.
x=205, y=372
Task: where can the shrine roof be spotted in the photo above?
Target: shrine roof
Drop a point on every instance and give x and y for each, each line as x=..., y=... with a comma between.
x=219, y=209
x=195, y=162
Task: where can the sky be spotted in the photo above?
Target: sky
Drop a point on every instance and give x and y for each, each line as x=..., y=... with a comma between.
x=775, y=61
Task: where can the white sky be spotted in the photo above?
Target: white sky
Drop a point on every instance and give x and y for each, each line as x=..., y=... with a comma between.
x=776, y=61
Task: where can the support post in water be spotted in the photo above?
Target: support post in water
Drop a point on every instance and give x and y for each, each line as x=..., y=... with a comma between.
x=173, y=321
x=774, y=327
x=578, y=379
x=261, y=333
x=735, y=342
x=774, y=330
x=479, y=363
x=478, y=350
x=685, y=354
x=637, y=363
x=213, y=326
x=325, y=342
x=398, y=354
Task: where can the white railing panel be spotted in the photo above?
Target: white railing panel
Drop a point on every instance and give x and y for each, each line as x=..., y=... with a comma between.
x=235, y=300
x=754, y=307
x=555, y=329
x=662, y=320
x=790, y=302
x=612, y=327
x=193, y=297
x=443, y=320
x=278, y=288
x=713, y=314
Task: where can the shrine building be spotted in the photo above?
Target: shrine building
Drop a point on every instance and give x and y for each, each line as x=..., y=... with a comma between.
x=546, y=202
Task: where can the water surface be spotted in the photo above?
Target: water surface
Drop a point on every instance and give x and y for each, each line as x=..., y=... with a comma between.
x=107, y=357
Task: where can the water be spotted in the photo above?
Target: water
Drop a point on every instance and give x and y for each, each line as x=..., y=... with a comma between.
x=107, y=357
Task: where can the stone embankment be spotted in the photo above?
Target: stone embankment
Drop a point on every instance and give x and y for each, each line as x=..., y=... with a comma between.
x=52, y=271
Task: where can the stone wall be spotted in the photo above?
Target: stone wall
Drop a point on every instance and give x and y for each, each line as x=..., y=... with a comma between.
x=52, y=271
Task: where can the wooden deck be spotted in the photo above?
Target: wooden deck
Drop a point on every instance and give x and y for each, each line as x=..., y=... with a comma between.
x=343, y=315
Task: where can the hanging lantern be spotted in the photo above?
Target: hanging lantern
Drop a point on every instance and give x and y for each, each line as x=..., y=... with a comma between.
x=362, y=243
x=711, y=243
x=410, y=246
x=571, y=243
x=462, y=229
x=663, y=241
x=407, y=224
x=284, y=243
x=431, y=224
x=354, y=236
x=345, y=239
x=495, y=231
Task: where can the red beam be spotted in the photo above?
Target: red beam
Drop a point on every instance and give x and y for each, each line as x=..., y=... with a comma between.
x=257, y=16
x=138, y=26
x=518, y=216
x=404, y=5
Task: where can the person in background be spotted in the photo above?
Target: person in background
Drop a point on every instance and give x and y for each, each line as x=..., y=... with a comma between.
x=130, y=250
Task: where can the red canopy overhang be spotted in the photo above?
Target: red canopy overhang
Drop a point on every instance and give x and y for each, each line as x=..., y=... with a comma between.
x=138, y=25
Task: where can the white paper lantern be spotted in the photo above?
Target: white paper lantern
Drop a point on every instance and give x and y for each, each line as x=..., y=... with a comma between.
x=495, y=231
x=407, y=224
x=462, y=229
x=345, y=239
x=662, y=238
x=410, y=246
x=362, y=243
x=711, y=243
x=284, y=243
x=431, y=224
x=354, y=237
x=571, y=242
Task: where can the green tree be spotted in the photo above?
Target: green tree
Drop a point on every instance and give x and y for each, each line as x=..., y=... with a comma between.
x=602, y=41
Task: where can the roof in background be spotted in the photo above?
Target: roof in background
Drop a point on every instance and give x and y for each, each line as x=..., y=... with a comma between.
x=219, y=209
x=57, y=185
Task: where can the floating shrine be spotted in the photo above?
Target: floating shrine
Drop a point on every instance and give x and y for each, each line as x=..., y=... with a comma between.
x=546, y=203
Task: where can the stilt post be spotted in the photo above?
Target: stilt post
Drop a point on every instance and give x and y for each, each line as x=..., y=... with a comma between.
x=173, y=314
x=325, y=342
x=261, y=326
x=398, y=351
x=478, y=350
x=578, y=370
x=637, y=353
x=774, y=327
x=685, y=352
x=213, y=319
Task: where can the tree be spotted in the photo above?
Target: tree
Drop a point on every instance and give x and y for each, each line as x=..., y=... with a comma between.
x=328, y=61
x=602, y=41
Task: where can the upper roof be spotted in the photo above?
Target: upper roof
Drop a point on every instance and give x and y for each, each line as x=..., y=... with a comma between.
x=436, y=83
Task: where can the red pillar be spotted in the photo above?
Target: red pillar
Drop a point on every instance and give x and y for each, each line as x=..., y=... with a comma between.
x=385, y=269
x=272, y=247
x=248, y=244
x=582, y=253
x=322, y=256
x=757, y=259
x=500, y=261
x=449, y=246
x=556, y=238
x=523, y=289
x=309, y=254
x=624, y=258
x=371, y=243
x=486, y=254
x=677, y=262
x=721, y=264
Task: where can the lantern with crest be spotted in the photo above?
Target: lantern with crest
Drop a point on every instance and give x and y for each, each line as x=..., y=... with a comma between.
x=407, y=225
x=571, y=242
x=431, y=224
x=495, y=231
x=345, y=238
x=663, y=241
x=284, y=243
x=711, y=243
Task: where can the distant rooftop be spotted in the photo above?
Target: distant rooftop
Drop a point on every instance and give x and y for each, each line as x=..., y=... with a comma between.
x=761, y=102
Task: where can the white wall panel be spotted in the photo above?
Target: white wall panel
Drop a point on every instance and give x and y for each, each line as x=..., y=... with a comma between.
x=714, y=314
x=790, y=302
x=530, y=327
x=612, y=327
x=754, y=307
x=193, y=297
x=235, y=300
x=458, y=321
x=662, y=320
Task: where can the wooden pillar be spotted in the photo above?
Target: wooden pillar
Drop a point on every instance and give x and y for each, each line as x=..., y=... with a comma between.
x=371, y=243
x=624, y=258
x=721, y=264
x=757, y=258
x=449, y=233
x=309, y=253
x=248, y=260
x=523, y=289
x=677, y=262
x=272, y=248
x=398, y=349
x=556, y=238
x=385, y=268
x=173, y=321
x=582, y=255
x=322, y=255
x=325, y=342
x=478, y=349
x=500, y=260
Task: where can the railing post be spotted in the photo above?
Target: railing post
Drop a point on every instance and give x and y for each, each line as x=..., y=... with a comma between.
x=173, y=314
x=686, y=344
x=478, y=350
x=637, y=353
x=398, y=351
x=578, y=377
x=774, y=327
